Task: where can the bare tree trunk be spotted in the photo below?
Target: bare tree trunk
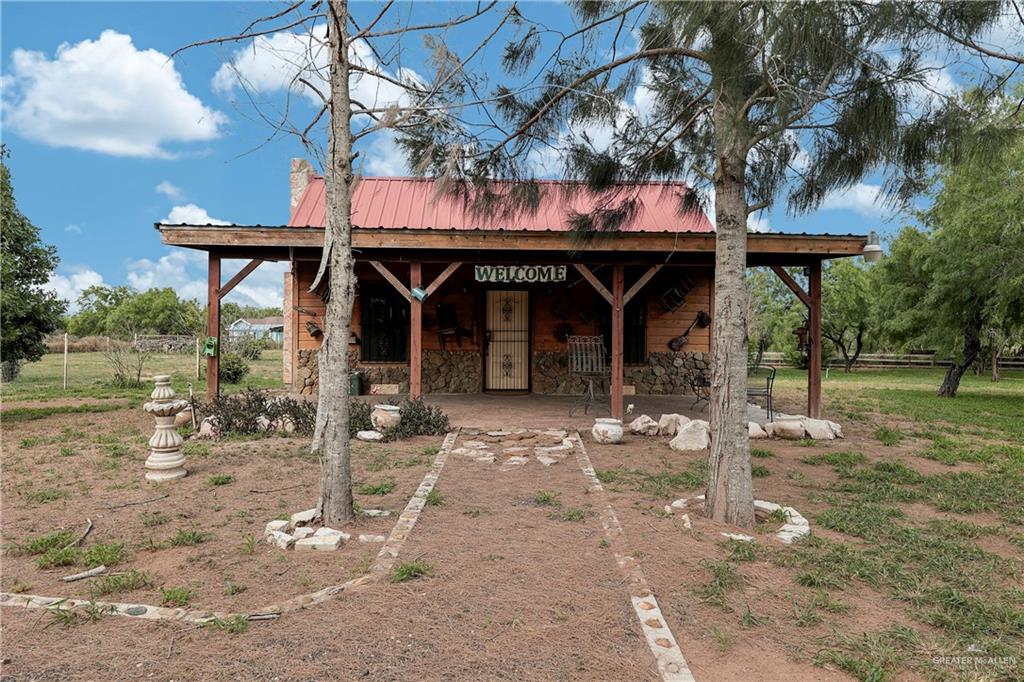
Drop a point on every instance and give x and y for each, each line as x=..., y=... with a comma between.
x=972, y=346
x=997, y=350
x=331, y=439
x=729, y=496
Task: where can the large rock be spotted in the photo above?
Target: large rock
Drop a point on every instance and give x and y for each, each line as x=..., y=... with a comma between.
x=756, y=431
x=692, y=437
x=669, y=424
x=208, y=428
x=818, y=429
x=370, y=436
x=789, y=429
x=644, y=426
x=837, y=430
x=183, y=418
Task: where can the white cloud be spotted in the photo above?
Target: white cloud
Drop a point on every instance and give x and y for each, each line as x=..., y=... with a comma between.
x=274, y=63
x=170, y=190
x=759, y=223
x=862, y=198
x=107, y=96
x=185, y=271
x=72, y=228
x=383, y=157
x=70, y=286
x=190, y=214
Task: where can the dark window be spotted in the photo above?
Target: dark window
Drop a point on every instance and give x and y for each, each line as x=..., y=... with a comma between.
x=385, y=326
x=634, y=332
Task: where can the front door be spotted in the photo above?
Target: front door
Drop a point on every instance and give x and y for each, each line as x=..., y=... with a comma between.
x=507, y=352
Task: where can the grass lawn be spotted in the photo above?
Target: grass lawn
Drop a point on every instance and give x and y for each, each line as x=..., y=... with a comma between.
x=89, y=376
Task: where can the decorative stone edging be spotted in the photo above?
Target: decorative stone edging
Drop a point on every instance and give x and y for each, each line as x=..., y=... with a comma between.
x=382, y=565
x=796, y=525
x=671, y=663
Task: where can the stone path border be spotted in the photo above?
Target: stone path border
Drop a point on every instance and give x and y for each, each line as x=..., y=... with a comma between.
x=671, y=663
x=380, y=568
x=795, y=527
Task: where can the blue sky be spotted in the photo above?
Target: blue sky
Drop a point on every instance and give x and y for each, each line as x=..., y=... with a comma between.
x=107, y=135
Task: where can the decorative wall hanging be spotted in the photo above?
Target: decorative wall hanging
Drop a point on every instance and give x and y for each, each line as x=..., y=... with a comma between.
x=673, y=298
x=702, y=320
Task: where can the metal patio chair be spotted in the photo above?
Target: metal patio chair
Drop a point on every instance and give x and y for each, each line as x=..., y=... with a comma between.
x=588, y=361
x=760, y=384
x=700, y=385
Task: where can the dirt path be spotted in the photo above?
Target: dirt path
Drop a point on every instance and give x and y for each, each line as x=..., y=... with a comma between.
x=519, y=591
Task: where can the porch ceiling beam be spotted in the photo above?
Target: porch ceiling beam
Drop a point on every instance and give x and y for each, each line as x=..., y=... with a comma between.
x=792, y=284
x=440, y=279
x=595, y=282
x=237, y=279
x=391, y=278
x=644, y=279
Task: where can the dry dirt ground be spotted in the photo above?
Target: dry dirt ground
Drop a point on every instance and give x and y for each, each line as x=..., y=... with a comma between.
x=523, y=584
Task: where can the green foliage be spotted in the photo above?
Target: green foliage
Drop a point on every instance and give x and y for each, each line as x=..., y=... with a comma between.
x=723, y=579
x=175, y=596
x=121, y=311
x=888, y=435
x=571, y=514
x=435, y=498
x=234, y=625
x=220, y=479
x=546, y=498
x=240, y=413
x=419, y=419
x=359, y=417
x=759, y=471
x=408, y=570
x=47, y=495
x=122, y=582
x=103, y=554
x=233, y=368
x=250, y=349
x=43, y=543
x=28, y=312
x=379, y=488
x=189, y=536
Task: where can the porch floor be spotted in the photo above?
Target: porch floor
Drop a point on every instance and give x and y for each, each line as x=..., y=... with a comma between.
x=495, y=410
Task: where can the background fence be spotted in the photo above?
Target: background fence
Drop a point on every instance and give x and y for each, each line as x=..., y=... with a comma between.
x=895, y=360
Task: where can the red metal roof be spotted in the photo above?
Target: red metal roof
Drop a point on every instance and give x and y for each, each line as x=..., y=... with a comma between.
x=383, y=202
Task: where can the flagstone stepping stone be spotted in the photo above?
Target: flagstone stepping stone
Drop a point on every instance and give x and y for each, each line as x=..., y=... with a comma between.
x=376, y=512
x=489, y=459
x=547, y=460
x=515, y=449
x=499, y=434
x=370, y=436
x=475, y=444
x=556, y=433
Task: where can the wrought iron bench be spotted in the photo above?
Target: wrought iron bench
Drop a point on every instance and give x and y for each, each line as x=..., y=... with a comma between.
x=588, y=361
x=760, y=384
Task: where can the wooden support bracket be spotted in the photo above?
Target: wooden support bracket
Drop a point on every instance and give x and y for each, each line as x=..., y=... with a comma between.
x=445, y=274
x=792, y=284
x=391, y=278
x=595, y=282
x=644, y=279
x=237, y=279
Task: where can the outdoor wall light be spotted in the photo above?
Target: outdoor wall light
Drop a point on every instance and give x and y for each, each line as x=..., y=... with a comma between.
x=418, y=293
x=873, y=249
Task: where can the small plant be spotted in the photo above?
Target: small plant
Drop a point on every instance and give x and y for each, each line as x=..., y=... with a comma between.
x=723, y=579
x=234, y=625
x=604, y=544
x=44, y=543
x=189, y=536
x=380, y=488
x=220, y=479
x=123, y=582
x=19, y=586
x=103, y=554
x=761, y=453
x=251, y=349
x=249, y=544
x=151, y=519
x=571, y=514
x=750, y=620
x=408, y=570
x=62, y=556
x=430, y=450
x=759, y=471
x=546, y=498
x=739, y=550
x=194, y=448
x=887, y=435
x=30, y=442
x=175, y=596
x=233, y=368
x=47, y=495
x=435, y=498
x=419, y=419
x=67, y=451
x=66, y=618
x=232, y=588
x=722, y=638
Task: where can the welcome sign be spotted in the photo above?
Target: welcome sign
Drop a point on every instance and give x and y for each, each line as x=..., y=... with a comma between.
x=520, y=273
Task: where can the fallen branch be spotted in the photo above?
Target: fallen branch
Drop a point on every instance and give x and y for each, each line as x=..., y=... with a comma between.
x=132, y=504
x=91, y=573
x=276, y=490
x=81, y=539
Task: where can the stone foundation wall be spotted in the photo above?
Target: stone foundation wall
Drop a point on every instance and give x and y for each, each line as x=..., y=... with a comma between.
x=446, y=371
x=307, y=372
x=664, y=374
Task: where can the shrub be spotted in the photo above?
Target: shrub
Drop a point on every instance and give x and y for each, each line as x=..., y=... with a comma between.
x=233, y=368
x=359, y=417
x=251, y=349
x=407, y=570
x=10, y=369
x=127, y=364
x=241, y=412
x=419, y=419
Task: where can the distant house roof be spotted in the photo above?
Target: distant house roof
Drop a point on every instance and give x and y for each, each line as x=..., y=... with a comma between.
x=410, y=203
x=260, y=321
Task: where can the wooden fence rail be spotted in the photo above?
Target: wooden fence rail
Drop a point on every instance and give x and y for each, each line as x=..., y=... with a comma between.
x=895, y=360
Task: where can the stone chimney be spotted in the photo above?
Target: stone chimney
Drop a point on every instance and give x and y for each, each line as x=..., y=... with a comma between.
x=299, y=177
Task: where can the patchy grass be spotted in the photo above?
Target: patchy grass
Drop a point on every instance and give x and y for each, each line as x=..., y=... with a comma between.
x=571, y=514
x=15, y=415
x=151, y=519
x=234, y=625
x=435, y=498
x=220, y=479
x=888, y=435
x=409, y=570
x=122, y=582
x=871, y=656
x=739, y=550
x=175, y=596
x=723, y=579
x=759, y=471
x=761, y=453
x=43, y=543
x=47, y=495
x=188, y=536
x=380, y=488
x=546, y=498
x=667, y=483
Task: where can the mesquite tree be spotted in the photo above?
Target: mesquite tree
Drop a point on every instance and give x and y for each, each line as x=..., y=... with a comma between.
x=751, y=101
x=355, y=70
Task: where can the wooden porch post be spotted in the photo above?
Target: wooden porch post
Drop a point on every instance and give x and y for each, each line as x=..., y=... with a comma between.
x=213, y=324
x=416, y=332
x=814, y=342
x=618, y=316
